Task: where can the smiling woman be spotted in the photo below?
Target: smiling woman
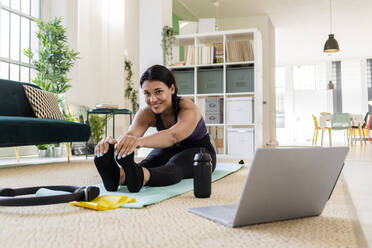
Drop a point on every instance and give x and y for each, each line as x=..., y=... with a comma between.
x=181, y=134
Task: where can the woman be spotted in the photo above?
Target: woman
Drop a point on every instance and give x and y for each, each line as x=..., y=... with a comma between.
x=181, y=134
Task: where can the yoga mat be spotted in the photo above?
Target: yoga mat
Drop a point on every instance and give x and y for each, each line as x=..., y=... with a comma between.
x=151, y=195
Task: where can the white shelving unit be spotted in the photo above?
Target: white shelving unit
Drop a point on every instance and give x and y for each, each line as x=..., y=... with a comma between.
x=195, y=40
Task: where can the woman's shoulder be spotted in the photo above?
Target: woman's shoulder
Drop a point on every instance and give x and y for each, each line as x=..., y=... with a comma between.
x=190, y=106
x=186, y=103
x=146, y=115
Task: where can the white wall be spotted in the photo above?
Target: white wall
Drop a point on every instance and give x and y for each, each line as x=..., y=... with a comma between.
x=101, y=31
x=154, y=15
x=266, y=28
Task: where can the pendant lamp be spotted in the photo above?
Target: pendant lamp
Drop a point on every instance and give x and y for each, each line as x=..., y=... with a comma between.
x=331, y=45
x=330, y=86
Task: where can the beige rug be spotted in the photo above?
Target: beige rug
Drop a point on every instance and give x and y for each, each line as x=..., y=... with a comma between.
x=166, y=224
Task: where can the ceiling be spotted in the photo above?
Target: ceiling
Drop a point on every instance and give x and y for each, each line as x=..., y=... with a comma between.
x=283, y=13
x=297, y=21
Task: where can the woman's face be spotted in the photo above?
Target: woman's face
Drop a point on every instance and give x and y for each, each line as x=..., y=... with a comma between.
x=157, y=95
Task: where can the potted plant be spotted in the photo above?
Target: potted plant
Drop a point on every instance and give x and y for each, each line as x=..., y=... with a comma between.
x=55, y=58
x=43, y=148
x=168, y=38
x=57, y=150
x=97, y=127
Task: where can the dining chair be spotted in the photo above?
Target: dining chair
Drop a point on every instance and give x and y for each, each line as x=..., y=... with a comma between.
x=320, y=126
x=357, y=121
x=366, y=127
x=341, y=121
x=316, y=129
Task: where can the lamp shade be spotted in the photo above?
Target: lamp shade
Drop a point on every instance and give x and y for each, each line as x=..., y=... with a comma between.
x=330, y=86
x=331, y=45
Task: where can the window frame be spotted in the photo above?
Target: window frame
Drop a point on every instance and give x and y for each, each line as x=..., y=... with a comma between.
x=19, y=14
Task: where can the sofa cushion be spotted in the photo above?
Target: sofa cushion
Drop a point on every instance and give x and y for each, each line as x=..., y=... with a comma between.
x=19, y=131
x=44, y=104
x=13, y=99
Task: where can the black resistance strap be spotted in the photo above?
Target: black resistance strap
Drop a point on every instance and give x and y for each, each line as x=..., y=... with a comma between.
x=78, y=193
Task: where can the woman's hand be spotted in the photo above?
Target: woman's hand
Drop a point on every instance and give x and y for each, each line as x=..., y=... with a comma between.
x=102, y=146
x=126, y=144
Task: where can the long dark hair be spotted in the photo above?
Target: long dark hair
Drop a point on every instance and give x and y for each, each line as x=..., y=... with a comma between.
x=161, y=73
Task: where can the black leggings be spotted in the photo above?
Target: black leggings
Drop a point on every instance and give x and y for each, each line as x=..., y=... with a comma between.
x=170, y=165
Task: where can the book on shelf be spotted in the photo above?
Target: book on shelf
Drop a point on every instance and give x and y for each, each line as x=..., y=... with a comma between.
x=107, y=105
x=202, y=54
x=189, y=55
x=217, y=133
x=219, y=48
x=180, y=63
x=239, y=50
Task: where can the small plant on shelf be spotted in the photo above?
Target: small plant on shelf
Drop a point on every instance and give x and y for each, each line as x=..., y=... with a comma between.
x=168, y=38
x=43, y=147
x=130, y=92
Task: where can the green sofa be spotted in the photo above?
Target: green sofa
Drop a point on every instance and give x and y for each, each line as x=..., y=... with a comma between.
x=20, y=127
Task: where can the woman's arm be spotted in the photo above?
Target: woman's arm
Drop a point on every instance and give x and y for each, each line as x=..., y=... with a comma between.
x=188, y=118
x=143, y=119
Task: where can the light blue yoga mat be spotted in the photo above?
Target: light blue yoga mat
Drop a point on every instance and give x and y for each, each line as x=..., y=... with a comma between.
x=152, y=195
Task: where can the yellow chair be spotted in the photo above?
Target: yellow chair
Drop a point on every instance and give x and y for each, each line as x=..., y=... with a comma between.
x=316, y=129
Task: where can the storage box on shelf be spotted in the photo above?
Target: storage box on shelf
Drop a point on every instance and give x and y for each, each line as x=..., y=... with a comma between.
x=239, y=110
x=240, y=142
x=185, y=80
x=221, y=71
x=210, y=80
x=239, y=78
x=211, y=109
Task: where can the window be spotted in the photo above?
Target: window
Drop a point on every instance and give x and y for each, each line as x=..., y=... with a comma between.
x=280, y=96
x=18, y=32
x=309, y=77
x=337, y=92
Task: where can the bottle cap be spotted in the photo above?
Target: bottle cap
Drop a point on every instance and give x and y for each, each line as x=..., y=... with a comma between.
x=202, y=156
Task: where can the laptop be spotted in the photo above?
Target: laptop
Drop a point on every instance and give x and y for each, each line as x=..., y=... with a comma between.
x=282, y=184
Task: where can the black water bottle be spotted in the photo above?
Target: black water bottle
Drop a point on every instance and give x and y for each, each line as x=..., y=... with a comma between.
x=202, y=174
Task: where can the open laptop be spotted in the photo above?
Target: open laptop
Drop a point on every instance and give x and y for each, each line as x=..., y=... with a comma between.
x=282, y=183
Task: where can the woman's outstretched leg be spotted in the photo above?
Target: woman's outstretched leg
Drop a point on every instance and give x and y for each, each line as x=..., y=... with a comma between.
x=108, y=169
x=135, y=175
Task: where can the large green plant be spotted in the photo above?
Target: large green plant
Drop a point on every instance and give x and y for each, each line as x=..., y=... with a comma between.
x=55, y=58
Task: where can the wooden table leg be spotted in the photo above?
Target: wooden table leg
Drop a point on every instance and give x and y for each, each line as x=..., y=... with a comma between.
x=17, y=153
x=360, y=134
x=68, y=151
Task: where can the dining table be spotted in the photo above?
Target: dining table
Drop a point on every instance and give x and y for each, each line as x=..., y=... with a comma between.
x=356, y=120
